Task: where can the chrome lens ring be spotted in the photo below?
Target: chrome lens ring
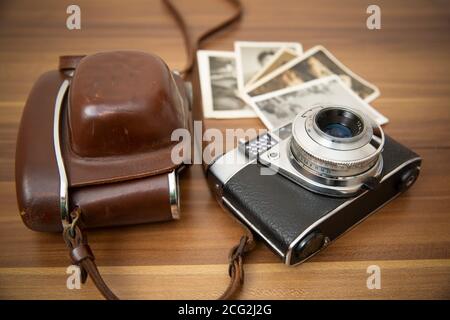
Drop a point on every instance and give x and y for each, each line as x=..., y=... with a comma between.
x=343, y=158
x=361, y=133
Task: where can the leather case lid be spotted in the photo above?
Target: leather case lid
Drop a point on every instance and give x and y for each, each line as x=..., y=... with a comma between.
x=122, y=103
x=122, y=109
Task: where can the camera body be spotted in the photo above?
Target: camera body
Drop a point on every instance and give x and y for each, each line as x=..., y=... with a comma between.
x=298, y=213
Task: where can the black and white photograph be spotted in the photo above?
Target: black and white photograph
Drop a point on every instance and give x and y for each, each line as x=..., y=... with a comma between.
x=252, y=56
x=219, y=86
x=283, y=56
x=315, y=63
x=282, y=106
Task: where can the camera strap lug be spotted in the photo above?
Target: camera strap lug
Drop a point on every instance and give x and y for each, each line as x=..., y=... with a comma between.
x=371, y=183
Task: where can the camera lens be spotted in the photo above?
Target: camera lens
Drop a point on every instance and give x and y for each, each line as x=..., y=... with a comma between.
x=339, y=123
x=337, y=130
x=335, y=149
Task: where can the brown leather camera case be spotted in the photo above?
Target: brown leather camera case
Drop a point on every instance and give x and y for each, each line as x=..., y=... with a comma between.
x=94, y=147
x=116, y=120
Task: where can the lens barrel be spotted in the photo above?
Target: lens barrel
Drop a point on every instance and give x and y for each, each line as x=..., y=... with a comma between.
x=336, y=147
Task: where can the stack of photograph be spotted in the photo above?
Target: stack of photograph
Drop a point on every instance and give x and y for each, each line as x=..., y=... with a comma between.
x=275, y=81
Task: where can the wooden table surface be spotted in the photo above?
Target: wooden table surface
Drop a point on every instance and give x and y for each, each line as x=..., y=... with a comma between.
x=408, y=59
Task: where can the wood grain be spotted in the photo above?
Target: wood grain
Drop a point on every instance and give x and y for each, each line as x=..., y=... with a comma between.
x=408, y=59
x=315, y=280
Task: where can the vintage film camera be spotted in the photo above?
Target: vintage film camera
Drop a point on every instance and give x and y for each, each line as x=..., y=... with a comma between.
x=303, y=185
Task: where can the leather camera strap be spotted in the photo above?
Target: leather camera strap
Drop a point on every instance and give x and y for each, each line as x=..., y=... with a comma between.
x=192, y=45
x=82, y=256
x=73, y=234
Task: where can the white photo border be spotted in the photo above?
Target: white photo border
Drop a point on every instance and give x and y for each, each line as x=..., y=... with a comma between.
x=203, y=57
